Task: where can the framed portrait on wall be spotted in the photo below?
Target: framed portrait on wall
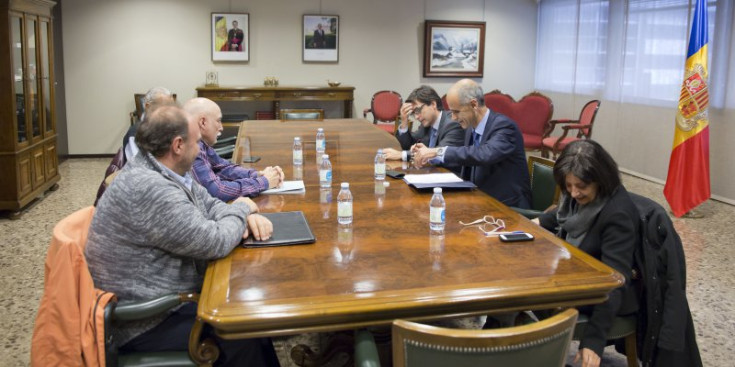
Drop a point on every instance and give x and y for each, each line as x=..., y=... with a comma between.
x=231, y=37
x=320, y=41
x=454, y=48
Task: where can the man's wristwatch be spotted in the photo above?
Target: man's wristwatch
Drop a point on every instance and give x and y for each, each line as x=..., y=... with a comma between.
x=440, y=151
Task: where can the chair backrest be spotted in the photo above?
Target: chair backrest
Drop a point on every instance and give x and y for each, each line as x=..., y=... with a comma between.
x=544, y=190
x=140, y=104
x=587, y=117
x=302, y=114
x=532, y=113
x=543, y=343
x=386, y=106
x=444, y=103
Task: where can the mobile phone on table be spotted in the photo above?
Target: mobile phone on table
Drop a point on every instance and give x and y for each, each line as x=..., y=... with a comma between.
x=516, y=237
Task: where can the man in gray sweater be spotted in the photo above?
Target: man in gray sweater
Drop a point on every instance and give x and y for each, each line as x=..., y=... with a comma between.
x=155, y=229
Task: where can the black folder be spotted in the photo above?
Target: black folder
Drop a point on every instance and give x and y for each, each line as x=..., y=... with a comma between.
x=289, y=228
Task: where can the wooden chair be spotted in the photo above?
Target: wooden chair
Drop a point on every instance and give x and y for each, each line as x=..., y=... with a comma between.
x=302, y=114
x=532, y=114
x=543, y=343
x=583, y=126
x=385, y=107
x=544, y=190
x=136, y=115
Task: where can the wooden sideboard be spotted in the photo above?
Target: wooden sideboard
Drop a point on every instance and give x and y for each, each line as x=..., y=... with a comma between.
x=281, y=93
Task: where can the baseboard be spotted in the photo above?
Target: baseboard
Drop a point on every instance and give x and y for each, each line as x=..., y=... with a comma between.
x=662, y=183
x=72, y=156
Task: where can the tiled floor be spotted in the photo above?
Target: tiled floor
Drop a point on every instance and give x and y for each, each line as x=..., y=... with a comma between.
x=709, y=245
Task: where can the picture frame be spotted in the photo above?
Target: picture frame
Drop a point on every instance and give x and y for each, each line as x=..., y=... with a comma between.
x=230, y=37
x=454, y=48
x=320, y=38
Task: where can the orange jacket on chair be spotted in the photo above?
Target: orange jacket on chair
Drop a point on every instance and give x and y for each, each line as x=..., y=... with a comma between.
x=69, y=329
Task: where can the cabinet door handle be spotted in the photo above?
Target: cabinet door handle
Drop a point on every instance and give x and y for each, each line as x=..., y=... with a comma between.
x=331, y=94
x=220, y=95
x=256, y=95
x=295, y=94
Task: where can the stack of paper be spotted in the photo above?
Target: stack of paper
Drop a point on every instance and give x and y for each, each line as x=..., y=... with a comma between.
x=288, y=187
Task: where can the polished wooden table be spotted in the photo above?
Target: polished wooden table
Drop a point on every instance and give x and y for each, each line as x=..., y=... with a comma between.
x=386, y=265
x=278, y=94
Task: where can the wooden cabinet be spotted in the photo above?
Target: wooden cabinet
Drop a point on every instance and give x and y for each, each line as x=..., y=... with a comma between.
x=28, y=160
x=278, y=94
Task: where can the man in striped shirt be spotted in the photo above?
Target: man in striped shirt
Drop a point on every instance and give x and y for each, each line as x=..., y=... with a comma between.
x=222, y=178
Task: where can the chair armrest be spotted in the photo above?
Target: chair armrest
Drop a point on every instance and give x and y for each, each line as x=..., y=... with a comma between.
x=146, y=309
x=365, y=112
x=562, y=121
x=575, y=126
x=528, y=213
x=366, y=352
x=224, y=142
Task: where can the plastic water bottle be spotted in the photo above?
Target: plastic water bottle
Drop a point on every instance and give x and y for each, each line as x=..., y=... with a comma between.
x=325, y=172
x=298, y=151
x=344, y=204
x=321, y=141
x=436, y=211
x=380, y=165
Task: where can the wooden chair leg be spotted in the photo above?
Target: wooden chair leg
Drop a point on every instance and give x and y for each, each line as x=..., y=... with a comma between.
x=202, y=352
x=631, y=351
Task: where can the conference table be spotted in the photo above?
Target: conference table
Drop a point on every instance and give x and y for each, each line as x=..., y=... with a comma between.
x=387, y=265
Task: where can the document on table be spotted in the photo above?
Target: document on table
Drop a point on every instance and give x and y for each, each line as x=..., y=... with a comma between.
x=431, y=180
x=288, y=187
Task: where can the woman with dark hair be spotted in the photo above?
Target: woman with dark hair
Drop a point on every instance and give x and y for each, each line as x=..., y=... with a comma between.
x=596, y=215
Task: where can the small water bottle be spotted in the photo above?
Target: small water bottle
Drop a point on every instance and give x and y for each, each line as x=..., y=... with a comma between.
x=298, y=151
x=344, y=204
x=321, y=142
x=380, y=165
x=325, y=172
x=436, y=211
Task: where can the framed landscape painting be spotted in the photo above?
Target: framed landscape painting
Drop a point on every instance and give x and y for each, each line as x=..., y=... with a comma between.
x=231, y=37
x=320, y=41
x=454, y=48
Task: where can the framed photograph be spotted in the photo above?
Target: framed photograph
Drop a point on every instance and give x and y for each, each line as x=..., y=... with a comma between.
x=320, y=41
x=231, y=37
x=454, y=48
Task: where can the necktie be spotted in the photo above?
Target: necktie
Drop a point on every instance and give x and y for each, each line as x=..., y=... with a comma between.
x=432, y=139
x=478, y=137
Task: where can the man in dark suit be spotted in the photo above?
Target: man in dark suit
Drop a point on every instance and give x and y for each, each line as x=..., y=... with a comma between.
x=320, y=41
x=437, y=127
x=492, y=155
x=235, y=37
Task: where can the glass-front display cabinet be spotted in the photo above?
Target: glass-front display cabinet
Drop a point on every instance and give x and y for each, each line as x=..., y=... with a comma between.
x=28, y=155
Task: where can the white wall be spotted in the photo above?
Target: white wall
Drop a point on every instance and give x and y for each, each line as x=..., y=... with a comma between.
x=640, y=139
x=115, y=48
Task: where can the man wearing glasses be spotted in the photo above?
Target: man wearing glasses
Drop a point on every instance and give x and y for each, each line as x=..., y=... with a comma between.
x=492, y=156
x=437, y=127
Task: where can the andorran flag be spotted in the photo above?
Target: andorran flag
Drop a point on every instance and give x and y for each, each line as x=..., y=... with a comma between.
x=687, y=184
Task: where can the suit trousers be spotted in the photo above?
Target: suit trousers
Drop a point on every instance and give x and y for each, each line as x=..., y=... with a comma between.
x=173, y=335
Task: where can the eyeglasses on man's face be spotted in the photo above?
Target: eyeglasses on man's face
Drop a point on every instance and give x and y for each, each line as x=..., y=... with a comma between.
x=417, y=111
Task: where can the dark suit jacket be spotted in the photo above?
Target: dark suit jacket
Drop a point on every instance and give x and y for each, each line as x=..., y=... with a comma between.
x=450, y=133
x=498, y=166
x=612, y=239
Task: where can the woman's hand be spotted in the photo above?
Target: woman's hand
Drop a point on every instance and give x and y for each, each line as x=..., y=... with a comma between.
x=589, y=358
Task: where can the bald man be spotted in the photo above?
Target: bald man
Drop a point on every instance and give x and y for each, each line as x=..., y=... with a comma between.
x=223, y=179
x=492, y=156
